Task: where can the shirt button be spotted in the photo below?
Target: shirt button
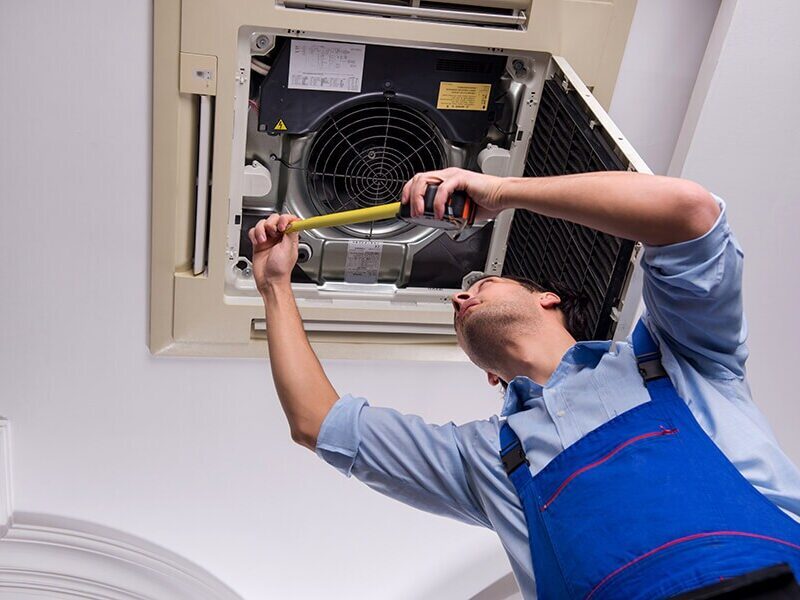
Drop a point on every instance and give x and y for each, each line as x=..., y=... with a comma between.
x=560, y=413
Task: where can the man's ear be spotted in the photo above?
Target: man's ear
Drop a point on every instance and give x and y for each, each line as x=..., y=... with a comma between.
x=492, y=378
x=549, y=300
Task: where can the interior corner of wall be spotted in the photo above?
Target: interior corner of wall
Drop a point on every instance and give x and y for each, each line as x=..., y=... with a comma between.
x=702, y=86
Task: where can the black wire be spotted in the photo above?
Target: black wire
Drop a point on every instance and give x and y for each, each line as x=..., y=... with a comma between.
x=500, y=97
x=511, y=132
x=513, y=129
x=274, y=156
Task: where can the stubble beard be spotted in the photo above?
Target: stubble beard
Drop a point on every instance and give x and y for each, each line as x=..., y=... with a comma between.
x=485, y=332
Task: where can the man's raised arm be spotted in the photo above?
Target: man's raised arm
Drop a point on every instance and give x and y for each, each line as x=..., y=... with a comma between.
x=651, y=209
x=304, y=390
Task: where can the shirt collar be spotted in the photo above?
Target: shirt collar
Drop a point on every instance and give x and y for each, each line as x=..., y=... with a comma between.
x=522, y=391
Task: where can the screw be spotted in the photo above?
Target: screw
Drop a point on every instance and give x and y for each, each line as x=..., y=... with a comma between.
x=247, y=272
x=303, y=252
x=262, y=42
x=519, y=66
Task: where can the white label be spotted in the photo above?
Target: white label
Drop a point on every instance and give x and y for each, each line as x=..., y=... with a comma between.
x=326, y=66
x=363, y=261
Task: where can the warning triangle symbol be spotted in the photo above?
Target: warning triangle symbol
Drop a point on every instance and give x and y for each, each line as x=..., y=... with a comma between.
x=280, y=126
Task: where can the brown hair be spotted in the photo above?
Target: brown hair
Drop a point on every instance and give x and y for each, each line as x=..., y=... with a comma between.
x=574, y=304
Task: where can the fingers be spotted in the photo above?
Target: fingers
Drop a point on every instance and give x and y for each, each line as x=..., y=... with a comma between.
x=419, y=184
x=446, y=188
x=414, y=189
x=270, y=229
x=405, y=195
x=282, y=223
x=265, y=229
x=418, y=191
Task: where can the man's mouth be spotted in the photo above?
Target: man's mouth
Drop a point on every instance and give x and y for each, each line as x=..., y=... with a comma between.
x=465, y=307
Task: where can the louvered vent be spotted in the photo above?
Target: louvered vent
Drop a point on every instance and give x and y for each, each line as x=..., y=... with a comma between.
x=510, y=14
x=541, y=248
x=363, y=155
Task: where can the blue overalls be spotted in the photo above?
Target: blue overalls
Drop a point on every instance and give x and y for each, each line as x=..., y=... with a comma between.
x=646, y=505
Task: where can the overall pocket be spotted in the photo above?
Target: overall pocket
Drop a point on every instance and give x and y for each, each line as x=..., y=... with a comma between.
x=662, y=431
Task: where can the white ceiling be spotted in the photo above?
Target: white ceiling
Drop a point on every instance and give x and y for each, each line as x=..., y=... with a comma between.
x=192, y=455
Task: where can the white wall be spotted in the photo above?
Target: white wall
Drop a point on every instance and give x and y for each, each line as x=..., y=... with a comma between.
x=193, y=455
x=742, y=140
x=665, y=46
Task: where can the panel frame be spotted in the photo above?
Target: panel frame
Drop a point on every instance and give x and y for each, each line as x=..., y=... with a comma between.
x=190, y=315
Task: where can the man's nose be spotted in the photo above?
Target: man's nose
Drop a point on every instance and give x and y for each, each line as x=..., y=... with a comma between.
x=459, y=299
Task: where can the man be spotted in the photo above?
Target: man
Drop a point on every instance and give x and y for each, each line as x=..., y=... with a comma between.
x=602, y=480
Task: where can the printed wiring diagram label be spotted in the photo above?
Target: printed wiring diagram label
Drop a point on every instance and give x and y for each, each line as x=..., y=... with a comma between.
x=327, y=66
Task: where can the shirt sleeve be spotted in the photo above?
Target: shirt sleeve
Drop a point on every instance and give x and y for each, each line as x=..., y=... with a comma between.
x=402, y=457
x=693, y=295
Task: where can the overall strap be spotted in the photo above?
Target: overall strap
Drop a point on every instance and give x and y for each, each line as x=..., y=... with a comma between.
x=648, y=356
x=513, y=456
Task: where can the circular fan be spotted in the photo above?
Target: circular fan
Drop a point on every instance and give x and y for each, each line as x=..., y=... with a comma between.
x=363, y=155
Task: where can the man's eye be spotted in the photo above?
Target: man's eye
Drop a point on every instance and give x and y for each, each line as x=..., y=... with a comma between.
x=485, y=281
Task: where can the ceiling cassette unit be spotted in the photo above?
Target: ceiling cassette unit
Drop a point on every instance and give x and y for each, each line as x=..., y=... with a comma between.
x=312, y=107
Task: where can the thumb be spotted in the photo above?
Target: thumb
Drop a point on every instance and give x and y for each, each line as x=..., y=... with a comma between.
x=446, y=189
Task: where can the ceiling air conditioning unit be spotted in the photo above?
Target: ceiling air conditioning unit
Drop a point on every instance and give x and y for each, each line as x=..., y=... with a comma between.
x=318, y=106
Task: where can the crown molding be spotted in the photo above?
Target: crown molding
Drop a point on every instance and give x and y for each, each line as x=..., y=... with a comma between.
x=5, y=477
x=66, y=558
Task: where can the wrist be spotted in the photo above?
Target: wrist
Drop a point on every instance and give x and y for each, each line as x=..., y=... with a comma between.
x=522, y=192
x=501, y=197
x=274, y=286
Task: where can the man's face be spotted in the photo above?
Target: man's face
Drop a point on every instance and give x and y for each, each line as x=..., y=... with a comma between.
x=489, y=314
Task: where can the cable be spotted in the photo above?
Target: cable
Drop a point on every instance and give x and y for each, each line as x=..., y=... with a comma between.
x=259, y=67
x=274, y=156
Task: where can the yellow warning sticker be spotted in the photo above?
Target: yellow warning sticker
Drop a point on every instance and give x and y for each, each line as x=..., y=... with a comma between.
x=280, y=126
x=463, y=96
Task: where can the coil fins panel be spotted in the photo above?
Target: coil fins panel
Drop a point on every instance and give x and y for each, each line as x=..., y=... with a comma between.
x=566, y=141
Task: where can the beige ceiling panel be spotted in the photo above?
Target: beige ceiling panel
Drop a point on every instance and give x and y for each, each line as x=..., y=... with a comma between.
x=198, y=74
x=218, y=312
x=593, y=38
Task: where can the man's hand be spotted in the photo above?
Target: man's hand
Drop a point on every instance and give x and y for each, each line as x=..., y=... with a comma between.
x=274, y=254
x=482, y=189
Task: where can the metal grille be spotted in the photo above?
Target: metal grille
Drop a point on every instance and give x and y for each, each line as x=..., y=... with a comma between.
x=543, y=249
x=363, y=155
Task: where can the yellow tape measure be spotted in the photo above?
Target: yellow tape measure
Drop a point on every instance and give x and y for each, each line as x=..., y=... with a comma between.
x=459, y=213
x=347, y=217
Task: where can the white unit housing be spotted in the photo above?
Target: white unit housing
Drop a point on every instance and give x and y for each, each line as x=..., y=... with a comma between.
x=315, y=106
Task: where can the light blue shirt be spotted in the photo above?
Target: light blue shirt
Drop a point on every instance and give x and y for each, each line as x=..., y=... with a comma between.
x=693, y=295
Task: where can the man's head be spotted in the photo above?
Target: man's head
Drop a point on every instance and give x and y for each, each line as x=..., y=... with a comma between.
x=495, y=315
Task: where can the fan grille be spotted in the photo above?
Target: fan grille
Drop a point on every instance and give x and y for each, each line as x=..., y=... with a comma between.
x=362, y=156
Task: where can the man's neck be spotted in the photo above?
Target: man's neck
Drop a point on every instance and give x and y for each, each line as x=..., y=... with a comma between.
x=537, y=359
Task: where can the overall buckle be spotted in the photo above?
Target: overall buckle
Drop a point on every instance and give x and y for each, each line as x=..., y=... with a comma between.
x=514, y=458
x=651, y=369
